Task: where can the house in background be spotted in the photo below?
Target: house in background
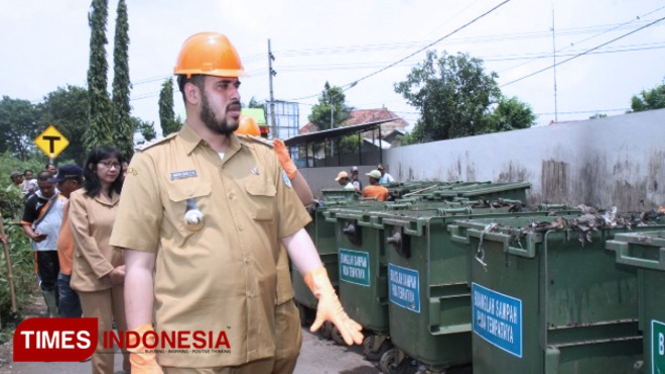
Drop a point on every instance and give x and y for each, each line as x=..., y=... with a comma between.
x=371, y=141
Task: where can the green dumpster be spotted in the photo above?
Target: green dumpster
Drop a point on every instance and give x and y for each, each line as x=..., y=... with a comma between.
x=646, y=252
x=516, y=191
x=548, y=298
x=361, y=270
x=430, y=308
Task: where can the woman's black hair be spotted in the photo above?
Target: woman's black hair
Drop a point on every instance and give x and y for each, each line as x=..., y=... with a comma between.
x=92, y=186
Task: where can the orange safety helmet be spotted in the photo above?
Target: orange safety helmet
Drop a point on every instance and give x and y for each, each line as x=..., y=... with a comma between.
x=247, y=126
x=209, y=53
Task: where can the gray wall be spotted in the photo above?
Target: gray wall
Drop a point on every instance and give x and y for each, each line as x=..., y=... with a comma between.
x=614, y=161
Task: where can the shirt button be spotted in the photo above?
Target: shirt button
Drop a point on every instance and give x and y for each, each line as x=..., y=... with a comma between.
x=250, y=294
x=241, y=227
x=248, y=260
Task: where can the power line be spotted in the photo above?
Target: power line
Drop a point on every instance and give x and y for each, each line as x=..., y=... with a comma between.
x=613, y=28
x=352, y=84
x=583, y=53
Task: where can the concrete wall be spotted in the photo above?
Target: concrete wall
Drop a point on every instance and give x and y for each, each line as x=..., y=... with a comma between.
x=614, y=161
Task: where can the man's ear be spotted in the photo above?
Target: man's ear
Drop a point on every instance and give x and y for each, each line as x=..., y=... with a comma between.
x=192, y=93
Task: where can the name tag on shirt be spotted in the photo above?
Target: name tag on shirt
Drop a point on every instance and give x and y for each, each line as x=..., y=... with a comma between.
x=183, y=174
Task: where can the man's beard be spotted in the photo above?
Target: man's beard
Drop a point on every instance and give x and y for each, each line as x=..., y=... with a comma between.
x=208, y=118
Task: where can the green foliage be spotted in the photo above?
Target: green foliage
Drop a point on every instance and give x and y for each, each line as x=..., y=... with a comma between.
x=147, y=129
x=67, y=110
x=350, y=144
x=255, y=104
x=123, y=134
x=100, y=110
x=509, y=114
x=18, y=127
x=331, y=101
x=22, y=260
x=167, y=119
x=453, y=93
x=650, y=99
x=406, y=139
x=598, y=115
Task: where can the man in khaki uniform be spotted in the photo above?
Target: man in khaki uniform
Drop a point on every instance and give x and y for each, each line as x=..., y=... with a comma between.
x=217, y=209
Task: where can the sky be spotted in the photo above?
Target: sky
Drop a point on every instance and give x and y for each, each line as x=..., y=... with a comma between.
x=46, y=46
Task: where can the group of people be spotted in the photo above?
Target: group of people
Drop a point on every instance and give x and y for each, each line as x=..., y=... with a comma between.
x=375, y=190
x=200, y=230
x=69, y=218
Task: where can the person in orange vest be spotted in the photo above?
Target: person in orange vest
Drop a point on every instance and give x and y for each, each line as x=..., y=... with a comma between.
x=374, y=189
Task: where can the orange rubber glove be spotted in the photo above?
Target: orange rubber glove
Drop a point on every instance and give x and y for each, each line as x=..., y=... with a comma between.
x=330, y=309
x=284, y=158
x=143, y=362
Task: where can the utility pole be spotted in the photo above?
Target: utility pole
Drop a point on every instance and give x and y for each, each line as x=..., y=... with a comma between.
x=556, y=111
x=272, y=73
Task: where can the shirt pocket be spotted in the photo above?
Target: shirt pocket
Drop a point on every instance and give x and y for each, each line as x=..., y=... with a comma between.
x=262, y=195
x=176, y=206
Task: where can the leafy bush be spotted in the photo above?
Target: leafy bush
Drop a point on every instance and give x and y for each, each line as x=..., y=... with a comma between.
x=23, y=269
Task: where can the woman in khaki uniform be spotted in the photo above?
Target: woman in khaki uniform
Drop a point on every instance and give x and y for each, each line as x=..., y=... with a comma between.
x=98, y=270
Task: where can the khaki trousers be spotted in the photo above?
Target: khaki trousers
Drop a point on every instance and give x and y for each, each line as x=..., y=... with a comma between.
x=107, y=306
x=255, y=367
x=288, y=337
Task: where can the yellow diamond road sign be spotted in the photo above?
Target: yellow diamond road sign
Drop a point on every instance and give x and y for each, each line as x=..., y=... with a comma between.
x=51, y=142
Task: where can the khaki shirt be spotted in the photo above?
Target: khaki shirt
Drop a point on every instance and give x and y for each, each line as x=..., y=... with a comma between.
x=221, y=278
x=91, y=221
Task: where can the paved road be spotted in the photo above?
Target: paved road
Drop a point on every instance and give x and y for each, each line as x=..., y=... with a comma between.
x=317, y=356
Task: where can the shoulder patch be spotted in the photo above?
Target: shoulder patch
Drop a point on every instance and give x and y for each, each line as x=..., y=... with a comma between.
x=154, y=142
x=255, y=139
x=286, y=179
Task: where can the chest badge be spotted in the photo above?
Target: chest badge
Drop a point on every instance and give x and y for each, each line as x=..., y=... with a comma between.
x=255, y=171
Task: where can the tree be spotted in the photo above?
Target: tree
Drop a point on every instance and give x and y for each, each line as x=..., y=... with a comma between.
x=331, y=104
x=67, y=109
x=100, y=109
x=147, y=129
x=18, y=127
x=255, y=104
x=123, y=136
x=509, y=114
x=453, y=93
x=649, y=100
x=167, y=118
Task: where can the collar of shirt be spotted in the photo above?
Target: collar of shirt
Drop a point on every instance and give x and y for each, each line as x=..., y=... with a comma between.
x=191, y=140
x=105, y=201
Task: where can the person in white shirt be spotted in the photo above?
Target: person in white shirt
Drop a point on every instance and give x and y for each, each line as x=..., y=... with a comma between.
x=385, y=177
x=344, y=181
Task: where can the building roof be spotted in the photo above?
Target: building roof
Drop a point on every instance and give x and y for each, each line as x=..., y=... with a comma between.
x=365, y=116
x=376, y=142
x=319, y=136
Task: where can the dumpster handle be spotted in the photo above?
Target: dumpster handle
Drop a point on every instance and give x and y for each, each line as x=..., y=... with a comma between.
x=622, y=256
x=452, y=211
x=528, y=252
x=455, y=236
x=329, y=216
x=407, y=230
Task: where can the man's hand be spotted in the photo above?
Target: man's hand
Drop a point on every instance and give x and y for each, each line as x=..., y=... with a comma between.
x=330, y=309
x=117, y=276
x=39, y=237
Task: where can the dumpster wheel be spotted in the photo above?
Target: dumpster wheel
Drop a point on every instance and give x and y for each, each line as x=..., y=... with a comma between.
x=390, y=363
x=337, y=336
x=306, y=315
x=326, y=330
x=372, y=353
